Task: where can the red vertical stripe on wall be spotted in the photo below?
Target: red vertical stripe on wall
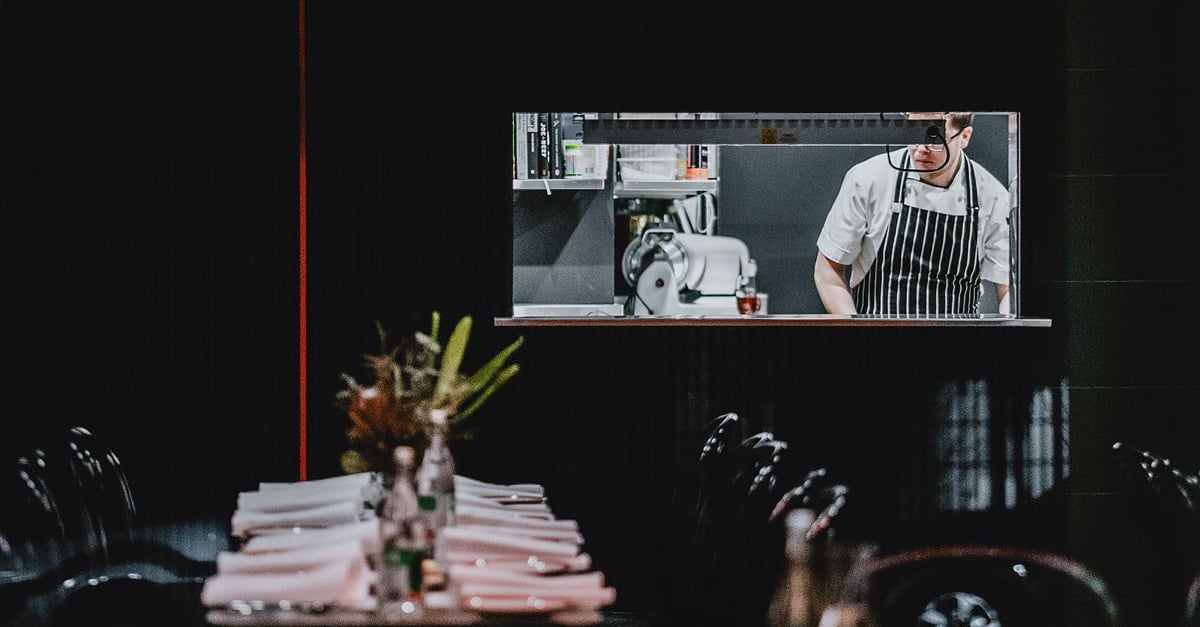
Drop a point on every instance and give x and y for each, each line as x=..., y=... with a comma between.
x=303, y=258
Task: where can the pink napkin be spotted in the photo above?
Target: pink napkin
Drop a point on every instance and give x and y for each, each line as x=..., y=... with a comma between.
x=463, y=539
x=480, y=588
x=345, y=583
x=558, y=535
x=366, y=532
x=520, y=562
x=305, y=558
x=490, y=516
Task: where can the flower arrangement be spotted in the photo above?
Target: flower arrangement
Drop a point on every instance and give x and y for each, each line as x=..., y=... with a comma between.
x=412, y=378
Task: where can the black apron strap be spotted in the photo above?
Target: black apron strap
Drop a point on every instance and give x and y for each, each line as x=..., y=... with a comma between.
x=972, y=185
x=898, y=193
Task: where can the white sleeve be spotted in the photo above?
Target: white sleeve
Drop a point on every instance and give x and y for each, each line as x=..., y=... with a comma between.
x=841, y=237
x=995, y=265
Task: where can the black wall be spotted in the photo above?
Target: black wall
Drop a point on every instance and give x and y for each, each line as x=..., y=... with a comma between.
x=150, y=201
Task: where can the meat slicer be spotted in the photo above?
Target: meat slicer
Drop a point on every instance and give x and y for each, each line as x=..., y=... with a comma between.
x=675, y=273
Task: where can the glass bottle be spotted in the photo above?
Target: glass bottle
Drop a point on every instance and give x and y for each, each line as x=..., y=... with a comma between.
x=794, y=603
x=435, y=492
x=747, y=291
x=404, y=538
x=826, y=582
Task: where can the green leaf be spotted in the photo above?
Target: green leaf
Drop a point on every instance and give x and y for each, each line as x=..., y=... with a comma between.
x=481, y=377
x=452, y=357
x=433, y=327
x=398, y=386
x=508, y=373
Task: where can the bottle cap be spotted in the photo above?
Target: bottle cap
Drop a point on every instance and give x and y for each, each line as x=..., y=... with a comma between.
x=437, y=416
x=799, y=521
x=404, y=455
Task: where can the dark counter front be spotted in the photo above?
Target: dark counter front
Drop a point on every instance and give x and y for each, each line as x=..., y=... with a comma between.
x=799, y=320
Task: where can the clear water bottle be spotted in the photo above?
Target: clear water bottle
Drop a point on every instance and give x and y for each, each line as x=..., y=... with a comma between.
x=405, y=540
x=796, y=602
x=826, y=582
x=435, y=492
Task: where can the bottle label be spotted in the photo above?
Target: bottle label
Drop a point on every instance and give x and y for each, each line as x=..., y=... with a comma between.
x=403, y=560
x=438, y=508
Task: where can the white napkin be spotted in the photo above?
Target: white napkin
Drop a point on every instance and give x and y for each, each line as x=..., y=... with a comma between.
x=509, y=512
x=365, y=531
x=484, y=488
x=244, y=522
x=288, y=499
x=304, y=558
x=352, y=481
x=345, y=583
x=505, y=504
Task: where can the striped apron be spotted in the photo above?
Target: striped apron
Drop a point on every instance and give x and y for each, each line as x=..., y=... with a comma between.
x=928, y=263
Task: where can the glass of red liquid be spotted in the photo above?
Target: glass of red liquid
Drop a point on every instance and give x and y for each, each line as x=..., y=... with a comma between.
x=748, y=304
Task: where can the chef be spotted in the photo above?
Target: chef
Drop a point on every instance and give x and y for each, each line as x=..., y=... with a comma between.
x=919, y=228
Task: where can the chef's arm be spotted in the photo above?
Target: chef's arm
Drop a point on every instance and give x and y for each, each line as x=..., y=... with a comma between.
x=1002, y=296
x=830, y=278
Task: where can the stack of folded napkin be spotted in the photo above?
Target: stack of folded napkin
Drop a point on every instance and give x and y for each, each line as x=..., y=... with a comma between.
x=509, y=553
x=305, y=543
x=308, y=543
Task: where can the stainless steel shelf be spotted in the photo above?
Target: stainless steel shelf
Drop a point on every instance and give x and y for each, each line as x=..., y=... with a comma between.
x=573, y=183
x=810, y=130
x=663, y=189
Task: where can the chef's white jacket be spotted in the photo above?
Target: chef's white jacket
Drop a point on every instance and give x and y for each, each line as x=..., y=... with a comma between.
x=860, y=215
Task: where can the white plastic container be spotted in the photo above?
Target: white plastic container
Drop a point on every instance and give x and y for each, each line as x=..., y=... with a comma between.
x=647, y=169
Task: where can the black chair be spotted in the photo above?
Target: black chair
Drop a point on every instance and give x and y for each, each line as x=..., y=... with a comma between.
x=983, y=586
x=701, y=501
x=1170, y=498
x=103, y=488
x=816, y=491
x=32, y=535
x=75, y=547
x=751, y=563
x=715, y=464
x=1192, y=604
x=1157, y=477
x=713, y=503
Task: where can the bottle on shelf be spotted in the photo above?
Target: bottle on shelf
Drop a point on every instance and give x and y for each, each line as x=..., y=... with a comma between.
x=405, y=540
x=435, y=494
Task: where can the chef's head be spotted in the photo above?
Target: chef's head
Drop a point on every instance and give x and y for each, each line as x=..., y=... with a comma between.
x=941, y=151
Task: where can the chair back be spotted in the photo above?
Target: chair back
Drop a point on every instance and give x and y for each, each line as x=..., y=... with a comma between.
x=103, y=487
x=1169, y=499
